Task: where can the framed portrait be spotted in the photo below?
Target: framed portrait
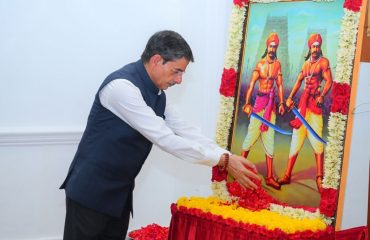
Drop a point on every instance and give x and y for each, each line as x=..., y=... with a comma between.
x=287, y=87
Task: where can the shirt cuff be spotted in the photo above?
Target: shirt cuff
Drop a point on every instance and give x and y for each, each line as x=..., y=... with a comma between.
x=214, y=156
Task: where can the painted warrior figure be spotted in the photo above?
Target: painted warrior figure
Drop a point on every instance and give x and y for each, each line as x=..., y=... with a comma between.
x=267, y=72
x=314, y=70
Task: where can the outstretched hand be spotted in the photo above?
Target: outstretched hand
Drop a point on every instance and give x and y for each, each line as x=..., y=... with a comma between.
x=238, y=169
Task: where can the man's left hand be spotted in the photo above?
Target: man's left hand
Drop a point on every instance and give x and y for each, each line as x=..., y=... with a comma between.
x=237, y=168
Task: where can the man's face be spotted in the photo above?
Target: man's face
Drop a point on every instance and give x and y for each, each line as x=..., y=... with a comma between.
x=271, y=50
x=169, y=73
x=315, y=50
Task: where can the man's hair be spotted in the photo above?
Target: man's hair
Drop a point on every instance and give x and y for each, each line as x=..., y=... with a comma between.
x=265, y=53
x=309, y=55
x=169, y=45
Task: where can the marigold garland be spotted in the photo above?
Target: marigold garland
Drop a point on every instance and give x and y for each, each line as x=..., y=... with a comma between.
x=300, y=212
x=270, y=221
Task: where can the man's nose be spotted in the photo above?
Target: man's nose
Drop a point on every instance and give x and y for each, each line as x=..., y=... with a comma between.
x=178, y=79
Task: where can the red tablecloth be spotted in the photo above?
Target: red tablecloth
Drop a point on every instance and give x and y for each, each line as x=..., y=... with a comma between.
x=357, y=233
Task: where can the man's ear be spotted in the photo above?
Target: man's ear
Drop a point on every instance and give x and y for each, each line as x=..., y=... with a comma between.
x=156, y=59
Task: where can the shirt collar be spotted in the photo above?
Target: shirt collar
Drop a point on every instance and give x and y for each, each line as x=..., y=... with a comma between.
x=146, y=79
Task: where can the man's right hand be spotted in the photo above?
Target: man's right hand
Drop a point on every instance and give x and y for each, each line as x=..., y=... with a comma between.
x=289, y=103
x=237, y=169
x=247, y=109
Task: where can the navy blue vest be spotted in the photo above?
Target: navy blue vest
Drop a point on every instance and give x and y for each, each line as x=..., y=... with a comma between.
x=111, y=153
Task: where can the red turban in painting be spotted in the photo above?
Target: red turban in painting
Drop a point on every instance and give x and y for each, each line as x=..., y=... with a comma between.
x=314, y=38
x=273, y=37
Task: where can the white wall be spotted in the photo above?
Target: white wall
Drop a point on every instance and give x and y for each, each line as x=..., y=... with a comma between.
x=357, y=186
x=54, y=55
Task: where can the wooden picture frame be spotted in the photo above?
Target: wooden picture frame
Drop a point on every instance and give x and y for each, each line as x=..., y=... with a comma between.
x=342, y=32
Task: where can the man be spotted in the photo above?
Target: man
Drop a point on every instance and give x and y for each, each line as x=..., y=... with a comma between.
x=266, y=73
x=314, y=70
x=129, y=114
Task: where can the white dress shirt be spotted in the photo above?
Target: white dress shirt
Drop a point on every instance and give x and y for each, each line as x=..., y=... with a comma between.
x=171, y=134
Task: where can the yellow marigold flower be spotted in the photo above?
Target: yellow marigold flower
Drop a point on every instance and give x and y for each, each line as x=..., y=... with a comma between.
x=268, y=219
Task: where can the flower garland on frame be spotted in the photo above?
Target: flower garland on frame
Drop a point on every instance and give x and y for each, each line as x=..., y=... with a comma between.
x=338, y=113
x=339, y=109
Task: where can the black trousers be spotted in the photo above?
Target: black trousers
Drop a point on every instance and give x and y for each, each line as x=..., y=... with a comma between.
x=87, y=224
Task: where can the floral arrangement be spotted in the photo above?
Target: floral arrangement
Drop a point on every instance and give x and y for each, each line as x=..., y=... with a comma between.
x=150, y=232
x=267, y=224
x=231, y=192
